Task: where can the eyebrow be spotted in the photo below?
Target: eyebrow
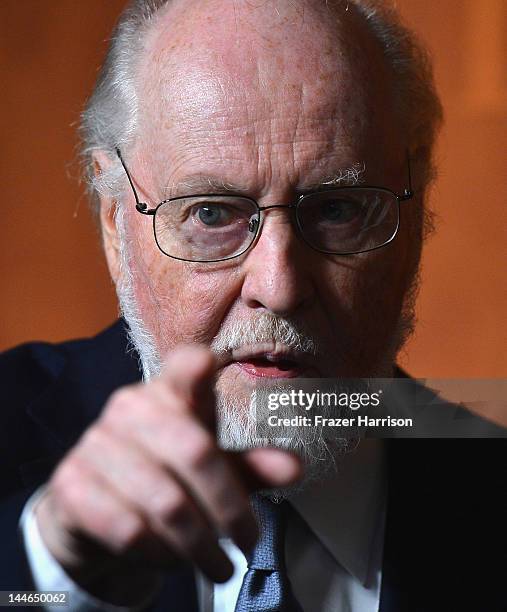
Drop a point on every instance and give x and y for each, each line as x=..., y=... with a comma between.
x=206, y=183
x=201, y=183
x=349, y=177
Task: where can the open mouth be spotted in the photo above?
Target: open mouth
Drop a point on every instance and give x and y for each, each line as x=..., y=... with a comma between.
x=271, y=367
x=270, y=359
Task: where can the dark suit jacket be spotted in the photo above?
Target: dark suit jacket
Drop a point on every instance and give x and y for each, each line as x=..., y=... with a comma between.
x=445, y=545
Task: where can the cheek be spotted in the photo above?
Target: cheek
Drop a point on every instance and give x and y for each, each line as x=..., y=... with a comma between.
x=179, y=302
x=378, y=301
x=382, y=286
x=183, y=304
x=364, y=297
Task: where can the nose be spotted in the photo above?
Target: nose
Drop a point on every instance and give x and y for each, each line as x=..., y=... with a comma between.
x=278, y=269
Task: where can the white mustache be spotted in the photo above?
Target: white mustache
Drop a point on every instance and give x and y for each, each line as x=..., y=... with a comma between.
x=263, y=328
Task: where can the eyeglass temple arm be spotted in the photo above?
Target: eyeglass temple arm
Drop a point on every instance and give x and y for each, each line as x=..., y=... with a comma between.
x=141, y=207
x=408, y=193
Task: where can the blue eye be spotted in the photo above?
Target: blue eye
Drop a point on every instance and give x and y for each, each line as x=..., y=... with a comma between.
x=209, y=215
x=339, y=211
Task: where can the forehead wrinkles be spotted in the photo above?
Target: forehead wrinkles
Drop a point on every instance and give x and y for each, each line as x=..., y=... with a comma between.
x=202, y=90
x=197, y=105
x=257, y=45
x=262, y=138
x=211, y=85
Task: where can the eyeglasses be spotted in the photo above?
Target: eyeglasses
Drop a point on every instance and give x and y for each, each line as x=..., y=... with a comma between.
x=215, y=227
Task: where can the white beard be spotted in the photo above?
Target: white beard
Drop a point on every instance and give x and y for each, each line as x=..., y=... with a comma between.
x=236, y=422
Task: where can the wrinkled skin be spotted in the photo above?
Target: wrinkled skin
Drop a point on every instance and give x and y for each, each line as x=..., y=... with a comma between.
x=272, y=99
x=273, y=111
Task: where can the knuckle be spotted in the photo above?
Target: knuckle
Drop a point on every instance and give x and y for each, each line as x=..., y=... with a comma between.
x=72, y=496
x=66, y=476
x=121, y=400
x=95, y=437
x=125, y=394
x=124, y=408
x=199, y=451
x=127, y=532
x=170, y=507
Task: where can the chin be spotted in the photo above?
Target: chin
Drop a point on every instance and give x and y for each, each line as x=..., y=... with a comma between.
x=237, y=431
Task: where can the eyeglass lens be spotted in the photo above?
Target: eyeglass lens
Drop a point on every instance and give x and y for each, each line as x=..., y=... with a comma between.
x=213, y=228
x=205, y=228
x=348, y=221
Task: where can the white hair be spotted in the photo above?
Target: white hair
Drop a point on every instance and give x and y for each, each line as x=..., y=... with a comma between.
x=110, y=117
x=141, y=340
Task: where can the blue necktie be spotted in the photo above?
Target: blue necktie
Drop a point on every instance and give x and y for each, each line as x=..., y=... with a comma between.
x=266, y=586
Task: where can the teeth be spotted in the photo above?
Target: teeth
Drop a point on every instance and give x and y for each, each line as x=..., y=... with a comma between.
x=279, y=362
x=272, y=359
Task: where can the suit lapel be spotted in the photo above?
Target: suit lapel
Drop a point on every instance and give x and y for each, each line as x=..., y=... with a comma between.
x=88, y=372
x=393, y=592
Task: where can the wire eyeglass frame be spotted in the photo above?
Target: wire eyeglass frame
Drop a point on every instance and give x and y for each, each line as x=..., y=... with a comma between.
x=143, y=208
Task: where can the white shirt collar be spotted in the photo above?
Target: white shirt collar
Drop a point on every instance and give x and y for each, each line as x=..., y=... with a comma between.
x=343, y=510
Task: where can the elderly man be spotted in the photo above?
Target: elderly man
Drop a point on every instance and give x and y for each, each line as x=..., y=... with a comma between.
x=259, y=171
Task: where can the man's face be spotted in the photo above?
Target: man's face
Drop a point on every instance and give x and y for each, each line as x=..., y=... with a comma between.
x=271, y=101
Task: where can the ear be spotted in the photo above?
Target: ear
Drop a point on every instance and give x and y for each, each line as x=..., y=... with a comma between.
x=107, y=212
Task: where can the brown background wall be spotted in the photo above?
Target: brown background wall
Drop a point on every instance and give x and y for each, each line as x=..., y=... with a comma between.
x=54, y=284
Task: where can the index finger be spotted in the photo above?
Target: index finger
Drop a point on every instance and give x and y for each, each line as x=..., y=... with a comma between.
x=189, y=372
